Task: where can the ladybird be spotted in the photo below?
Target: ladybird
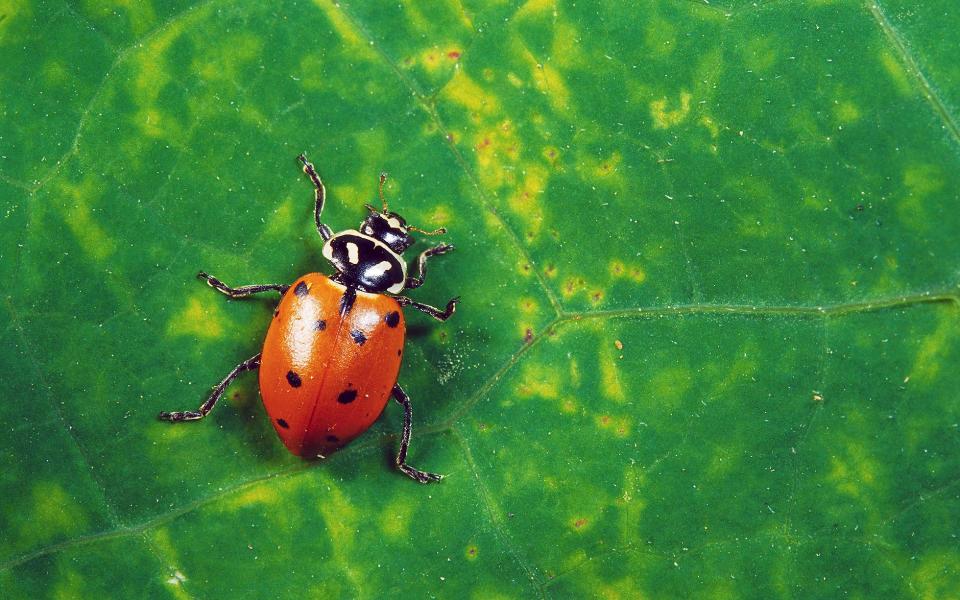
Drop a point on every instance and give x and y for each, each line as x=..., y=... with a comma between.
x=331, y=356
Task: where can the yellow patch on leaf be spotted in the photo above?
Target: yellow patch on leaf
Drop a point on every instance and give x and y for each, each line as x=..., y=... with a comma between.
x=344, y=28
x=200, y=317
x=666, y=114
x=468, y=93
x=79, y=217
x=539, y=380
x=610, y=381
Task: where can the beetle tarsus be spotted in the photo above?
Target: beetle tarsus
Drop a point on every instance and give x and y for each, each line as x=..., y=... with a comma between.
x=420, y=476
x=178, y=416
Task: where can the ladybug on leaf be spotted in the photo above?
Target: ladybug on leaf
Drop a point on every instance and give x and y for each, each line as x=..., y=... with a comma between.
x=330, y=360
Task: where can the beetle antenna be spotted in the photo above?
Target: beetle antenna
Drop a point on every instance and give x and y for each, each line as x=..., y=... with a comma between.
x=383, y=180
x=439, y=231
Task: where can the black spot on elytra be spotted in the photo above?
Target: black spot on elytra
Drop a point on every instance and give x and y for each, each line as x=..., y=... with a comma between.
x=399, y=352
x=276, y=313
x=283, y=424
x=293, y=379
x=333, y=439
x=392, y=319
x=358, y=337
x=321, y=325
x=301, y=289
x=347, y=396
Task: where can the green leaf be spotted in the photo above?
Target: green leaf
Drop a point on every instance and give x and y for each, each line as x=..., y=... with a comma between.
x=708, y=257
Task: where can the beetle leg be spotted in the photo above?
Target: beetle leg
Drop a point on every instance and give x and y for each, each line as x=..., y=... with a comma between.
x=189, y=415
x=415, y=282
x=422, y=476
x=243, y=290
x=325, y=232
x=436, y=313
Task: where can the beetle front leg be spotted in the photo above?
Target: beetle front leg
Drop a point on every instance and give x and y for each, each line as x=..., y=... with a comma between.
x=436, y=313
x=422, y=476
x=415, y=282
x=243, y=290
x=194, y=415
x=321, y=194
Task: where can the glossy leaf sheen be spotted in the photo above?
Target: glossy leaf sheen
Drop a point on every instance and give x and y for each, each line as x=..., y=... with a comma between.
x=708, y=256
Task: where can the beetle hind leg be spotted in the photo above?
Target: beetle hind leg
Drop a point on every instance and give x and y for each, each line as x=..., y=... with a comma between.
x=422, y=476
x=195, y=415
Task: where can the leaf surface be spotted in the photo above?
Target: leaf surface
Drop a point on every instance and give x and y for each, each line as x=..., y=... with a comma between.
x=708, y=260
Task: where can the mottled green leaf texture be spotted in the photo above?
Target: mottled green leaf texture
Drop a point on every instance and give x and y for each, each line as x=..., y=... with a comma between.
x=709, y=262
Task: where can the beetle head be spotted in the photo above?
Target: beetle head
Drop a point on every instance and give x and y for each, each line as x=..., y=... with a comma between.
x=389, y=227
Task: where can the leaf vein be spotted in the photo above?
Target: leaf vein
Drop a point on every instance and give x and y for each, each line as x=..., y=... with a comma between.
x=761, y=311
x=494, y=514
x=486, y=386
x=430, y=109
x=119, y=59
x=41, y=378
x=923, y=83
